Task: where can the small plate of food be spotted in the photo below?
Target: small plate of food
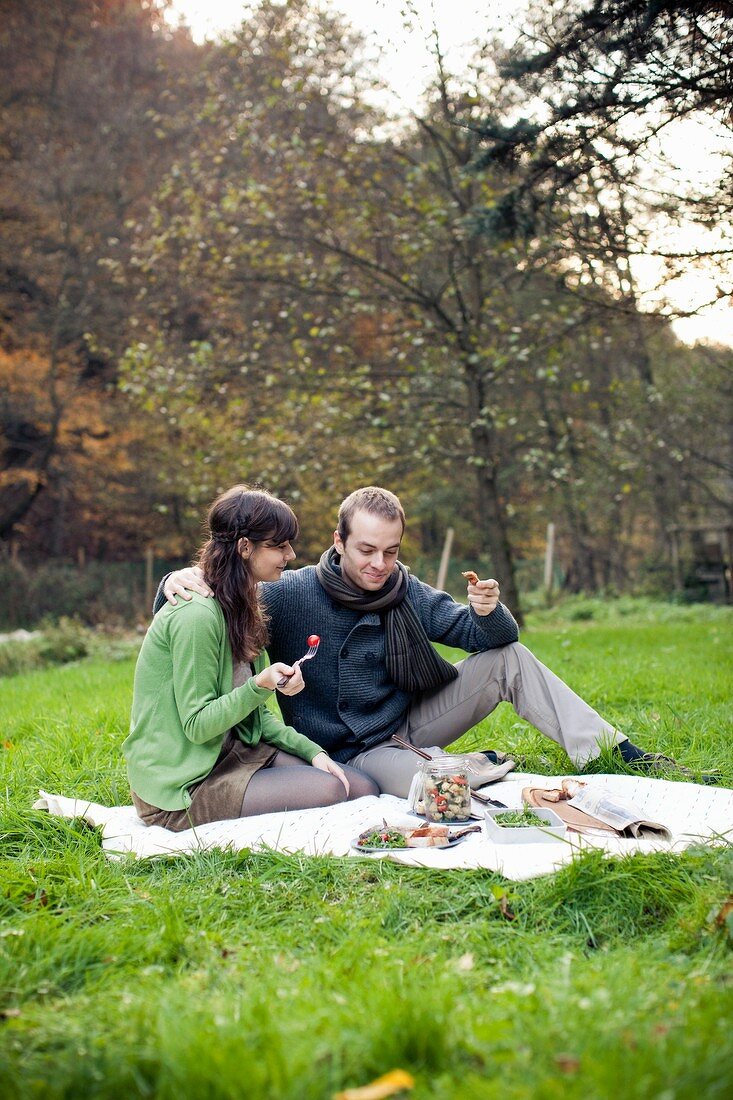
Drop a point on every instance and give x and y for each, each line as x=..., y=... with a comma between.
x=382, y=838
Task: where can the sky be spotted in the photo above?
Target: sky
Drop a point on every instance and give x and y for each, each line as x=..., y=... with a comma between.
x=406, y=61
x=405, y=65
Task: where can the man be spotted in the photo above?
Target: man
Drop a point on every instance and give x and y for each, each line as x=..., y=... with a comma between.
x=376, y=673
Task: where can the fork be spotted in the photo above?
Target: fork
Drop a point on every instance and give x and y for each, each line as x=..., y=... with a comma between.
x=310, y=652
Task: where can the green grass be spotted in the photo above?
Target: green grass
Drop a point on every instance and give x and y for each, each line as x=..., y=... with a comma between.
x=661, y=673
x=269, y=976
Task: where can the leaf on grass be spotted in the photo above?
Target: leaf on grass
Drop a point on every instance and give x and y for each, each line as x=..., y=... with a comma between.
x=567, y=1063
x=466, y=962
x=724, y=917
x=286, y=962
x=505, y=908
x=386, y=1085
x=9, y=1013
x=41, y=898
x=504, y=899
x=629, y=1039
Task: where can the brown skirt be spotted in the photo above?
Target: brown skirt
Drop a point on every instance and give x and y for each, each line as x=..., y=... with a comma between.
x=219, y=796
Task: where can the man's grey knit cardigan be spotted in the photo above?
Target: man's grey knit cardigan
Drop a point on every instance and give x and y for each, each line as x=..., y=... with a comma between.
x=349, y=702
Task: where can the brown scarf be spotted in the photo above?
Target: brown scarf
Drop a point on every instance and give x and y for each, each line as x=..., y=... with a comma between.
x=412, y=663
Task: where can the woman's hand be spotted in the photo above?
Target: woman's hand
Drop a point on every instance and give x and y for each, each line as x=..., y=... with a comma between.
x=185, y=581
x=269, y=677
x=324, y=763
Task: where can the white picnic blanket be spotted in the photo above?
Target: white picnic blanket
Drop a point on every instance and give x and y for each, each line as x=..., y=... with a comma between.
x=693, y=814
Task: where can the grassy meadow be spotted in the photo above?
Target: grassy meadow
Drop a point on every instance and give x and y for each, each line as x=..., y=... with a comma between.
x=267, y=976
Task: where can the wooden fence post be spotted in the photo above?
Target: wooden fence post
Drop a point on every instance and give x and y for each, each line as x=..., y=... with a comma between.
x=674, y=552
x=444, y=559
x=549, y=560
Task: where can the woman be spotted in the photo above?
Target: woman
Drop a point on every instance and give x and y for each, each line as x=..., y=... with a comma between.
x=203, y=746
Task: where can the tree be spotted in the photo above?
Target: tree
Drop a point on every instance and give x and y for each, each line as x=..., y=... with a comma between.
x=605, y=80
x=320, y=302
x=586, y=169
x=83, y=84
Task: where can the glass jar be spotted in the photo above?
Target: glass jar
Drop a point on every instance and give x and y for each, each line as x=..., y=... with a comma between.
x=446, y=790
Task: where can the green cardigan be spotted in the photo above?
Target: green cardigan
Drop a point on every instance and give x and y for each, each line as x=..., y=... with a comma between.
x=183, y=705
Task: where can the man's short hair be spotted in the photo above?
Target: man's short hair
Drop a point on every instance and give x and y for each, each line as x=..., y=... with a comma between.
x=380, y=502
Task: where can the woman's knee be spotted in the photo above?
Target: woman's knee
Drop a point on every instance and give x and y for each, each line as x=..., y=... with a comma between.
x=360, y=785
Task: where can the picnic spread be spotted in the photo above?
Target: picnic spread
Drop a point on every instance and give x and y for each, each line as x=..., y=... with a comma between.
x=684, y=814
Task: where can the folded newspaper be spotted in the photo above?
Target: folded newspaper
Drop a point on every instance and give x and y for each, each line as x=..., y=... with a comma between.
x=595, y=811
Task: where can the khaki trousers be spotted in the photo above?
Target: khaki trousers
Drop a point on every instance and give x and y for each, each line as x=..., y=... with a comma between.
x=510, y=674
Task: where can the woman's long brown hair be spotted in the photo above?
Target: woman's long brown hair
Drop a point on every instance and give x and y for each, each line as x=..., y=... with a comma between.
x=240, y=513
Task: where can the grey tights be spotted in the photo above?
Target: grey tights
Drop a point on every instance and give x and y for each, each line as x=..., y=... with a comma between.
x=289, y=783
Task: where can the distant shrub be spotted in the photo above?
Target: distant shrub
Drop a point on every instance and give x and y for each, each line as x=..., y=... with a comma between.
x=57, y=644
x=581, y=612
x=13, y=594
x=110, y=593
x=64, y=641
x=17, y=657
x=654, y=578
